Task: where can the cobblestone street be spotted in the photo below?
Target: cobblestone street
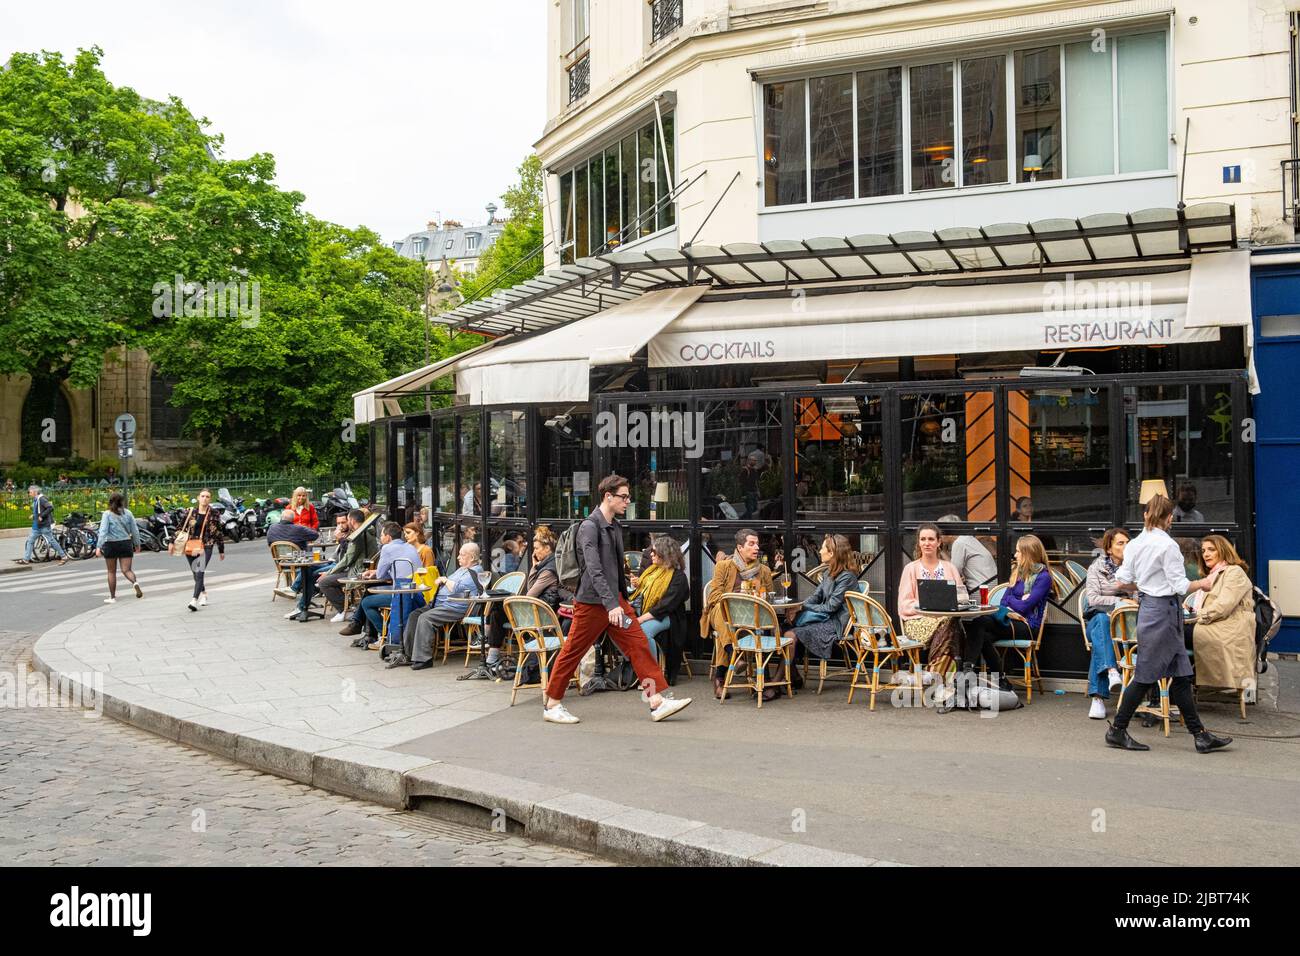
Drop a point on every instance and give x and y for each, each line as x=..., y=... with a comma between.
x=76, y=790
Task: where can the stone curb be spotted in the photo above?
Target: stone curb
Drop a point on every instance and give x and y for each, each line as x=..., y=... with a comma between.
x=543, y=812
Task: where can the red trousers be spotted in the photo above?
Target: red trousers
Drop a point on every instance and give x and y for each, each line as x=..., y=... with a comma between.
x=589, y=622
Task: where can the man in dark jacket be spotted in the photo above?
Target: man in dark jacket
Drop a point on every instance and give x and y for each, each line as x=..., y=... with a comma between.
x=363, y=544
x=42, y=527
x=285, y=530
x=601, y=606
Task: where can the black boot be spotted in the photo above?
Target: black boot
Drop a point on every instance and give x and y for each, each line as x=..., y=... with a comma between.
x=1122, y=740
x=1206, y=741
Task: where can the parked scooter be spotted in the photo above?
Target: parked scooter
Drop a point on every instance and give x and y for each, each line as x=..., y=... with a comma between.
x=228, y=514
x=161, y=524
x=338, y=501
x=274, y=507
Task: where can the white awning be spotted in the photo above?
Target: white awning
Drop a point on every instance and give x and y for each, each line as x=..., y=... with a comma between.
x=1080, y=311
x=556, y=366
x=380, y=401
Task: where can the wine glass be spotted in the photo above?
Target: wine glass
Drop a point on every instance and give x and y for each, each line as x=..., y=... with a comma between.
x=484, y=576
x=785, y=584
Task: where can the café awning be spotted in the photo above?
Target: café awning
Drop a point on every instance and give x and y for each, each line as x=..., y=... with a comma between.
x=380, y=401
x=556, y=366
x=1073, y=310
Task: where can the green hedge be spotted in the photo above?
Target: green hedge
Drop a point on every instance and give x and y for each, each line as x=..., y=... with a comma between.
x=92, y=498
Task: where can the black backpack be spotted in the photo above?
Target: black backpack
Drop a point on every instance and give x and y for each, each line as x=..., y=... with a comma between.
x=1268, y=621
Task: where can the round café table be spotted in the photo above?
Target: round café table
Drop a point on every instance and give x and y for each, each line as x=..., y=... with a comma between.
x=308, y=583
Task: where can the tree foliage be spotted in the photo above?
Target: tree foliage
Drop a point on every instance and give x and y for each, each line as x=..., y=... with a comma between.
x=516, y=255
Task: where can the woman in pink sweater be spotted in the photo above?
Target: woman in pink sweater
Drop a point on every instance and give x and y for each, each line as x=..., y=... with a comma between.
x=940, y=635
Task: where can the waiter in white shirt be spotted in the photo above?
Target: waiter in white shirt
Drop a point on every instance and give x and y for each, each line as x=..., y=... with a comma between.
x=1153, y=566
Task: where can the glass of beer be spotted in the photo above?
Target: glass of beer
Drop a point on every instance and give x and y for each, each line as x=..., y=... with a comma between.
x=984, y=595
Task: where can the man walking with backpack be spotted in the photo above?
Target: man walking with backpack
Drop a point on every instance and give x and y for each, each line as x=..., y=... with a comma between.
x=42, y=527
x=600, y=606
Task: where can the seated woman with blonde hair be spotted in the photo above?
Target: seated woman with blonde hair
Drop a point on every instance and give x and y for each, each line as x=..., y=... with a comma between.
x=1223, y=638
x=940, y=635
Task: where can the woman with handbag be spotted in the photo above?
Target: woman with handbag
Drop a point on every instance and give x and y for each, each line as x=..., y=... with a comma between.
x=198, y=533
x=119, y=540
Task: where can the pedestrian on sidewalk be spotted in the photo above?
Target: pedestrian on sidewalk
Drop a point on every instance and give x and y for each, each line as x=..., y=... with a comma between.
x=1153, y=566
x=42, y=527
x=601, y=606
x=119, y=541
x=202, y=532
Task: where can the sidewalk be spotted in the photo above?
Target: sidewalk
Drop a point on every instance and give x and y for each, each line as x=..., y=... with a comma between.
x=1033, y=786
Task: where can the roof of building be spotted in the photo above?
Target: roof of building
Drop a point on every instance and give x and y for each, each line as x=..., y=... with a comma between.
x=435, y=242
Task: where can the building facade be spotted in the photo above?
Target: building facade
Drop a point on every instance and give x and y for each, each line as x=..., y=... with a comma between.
x=450, y=242
x=851, y=265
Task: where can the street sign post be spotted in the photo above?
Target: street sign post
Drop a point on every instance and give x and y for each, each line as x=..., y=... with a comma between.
x=124, y=426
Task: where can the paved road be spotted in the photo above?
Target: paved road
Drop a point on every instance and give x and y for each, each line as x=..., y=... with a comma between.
x=47, y=594
x=77, y=791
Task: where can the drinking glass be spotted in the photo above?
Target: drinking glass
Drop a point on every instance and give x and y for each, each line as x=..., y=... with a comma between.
x=484, y=576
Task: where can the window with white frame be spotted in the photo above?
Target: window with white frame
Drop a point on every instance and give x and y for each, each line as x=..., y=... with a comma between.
x=471, y=242
x=417, y=246
x=1097, y=107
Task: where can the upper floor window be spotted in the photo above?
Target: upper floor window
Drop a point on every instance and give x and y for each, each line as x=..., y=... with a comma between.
x=577, y=61
x=665, y=18
x=1072, y=110
x=449, y=243
x=619, y=194
x=471, y=242
x=166, y=421
x=417, y=247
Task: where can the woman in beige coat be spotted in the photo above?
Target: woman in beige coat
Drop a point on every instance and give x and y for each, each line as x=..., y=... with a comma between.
x=1224, y=636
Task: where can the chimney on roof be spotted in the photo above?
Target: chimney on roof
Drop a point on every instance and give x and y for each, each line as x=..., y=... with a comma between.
x=433, y=225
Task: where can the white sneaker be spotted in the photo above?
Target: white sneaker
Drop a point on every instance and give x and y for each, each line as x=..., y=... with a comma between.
x=203, y=599
x=294, y=613
x=556, y=714
x=192, y=606
x=1098, y=709
x=110, y=600
x=1116, y=681
x=670, y=706
x=337, y=618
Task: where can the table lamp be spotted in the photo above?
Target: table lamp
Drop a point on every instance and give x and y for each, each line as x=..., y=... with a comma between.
x=660, y=497
x=1151, y=488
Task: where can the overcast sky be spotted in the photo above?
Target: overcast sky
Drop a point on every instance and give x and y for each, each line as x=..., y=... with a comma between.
x=383, y=112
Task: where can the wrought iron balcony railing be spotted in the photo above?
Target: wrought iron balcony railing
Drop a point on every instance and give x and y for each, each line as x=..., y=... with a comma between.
x=665, y=18
x=579, y=77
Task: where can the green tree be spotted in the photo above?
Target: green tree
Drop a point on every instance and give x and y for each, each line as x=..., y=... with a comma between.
x=516, y=255
x=349, y=319
x=103, y=194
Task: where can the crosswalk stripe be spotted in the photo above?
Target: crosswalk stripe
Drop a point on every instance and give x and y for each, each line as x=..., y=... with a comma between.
x=150, y=588
x=73, y=586
x=19, y=578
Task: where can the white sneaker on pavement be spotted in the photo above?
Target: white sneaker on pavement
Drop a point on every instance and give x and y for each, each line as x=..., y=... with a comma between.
x=1116, y=681
x=337, y=618
x=294, y=613
x=110, y=600
x=1098, y=709
x=192, y=606
x=203, y=599
x=556, y=714
x=670, y=706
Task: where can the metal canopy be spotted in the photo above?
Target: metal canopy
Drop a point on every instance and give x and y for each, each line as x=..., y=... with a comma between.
x=594, y=284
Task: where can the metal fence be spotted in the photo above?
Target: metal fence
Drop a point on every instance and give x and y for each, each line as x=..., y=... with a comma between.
x=91, y=498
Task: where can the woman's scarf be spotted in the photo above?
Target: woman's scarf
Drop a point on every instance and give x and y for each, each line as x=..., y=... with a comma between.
x=1034, y=570
x=654, y=582
x=747, y=571
x=1199, y=597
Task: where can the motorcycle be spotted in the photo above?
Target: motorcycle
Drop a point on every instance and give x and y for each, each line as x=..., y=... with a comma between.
x=228, y=514
x=161, y=524
x=149, y=541
x=274, y=507
x=338, y=501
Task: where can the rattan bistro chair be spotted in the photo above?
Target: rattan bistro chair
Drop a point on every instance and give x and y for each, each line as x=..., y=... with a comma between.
x=872, y=641
x=280, y=551
x=754, y=631
x=1024, y=641
x=1076, y=571
x=537, y=631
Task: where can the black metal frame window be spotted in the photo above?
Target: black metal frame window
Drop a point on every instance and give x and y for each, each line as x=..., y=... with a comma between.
x=665, y=19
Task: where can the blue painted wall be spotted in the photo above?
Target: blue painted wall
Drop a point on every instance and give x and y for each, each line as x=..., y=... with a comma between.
x=1277, y=451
